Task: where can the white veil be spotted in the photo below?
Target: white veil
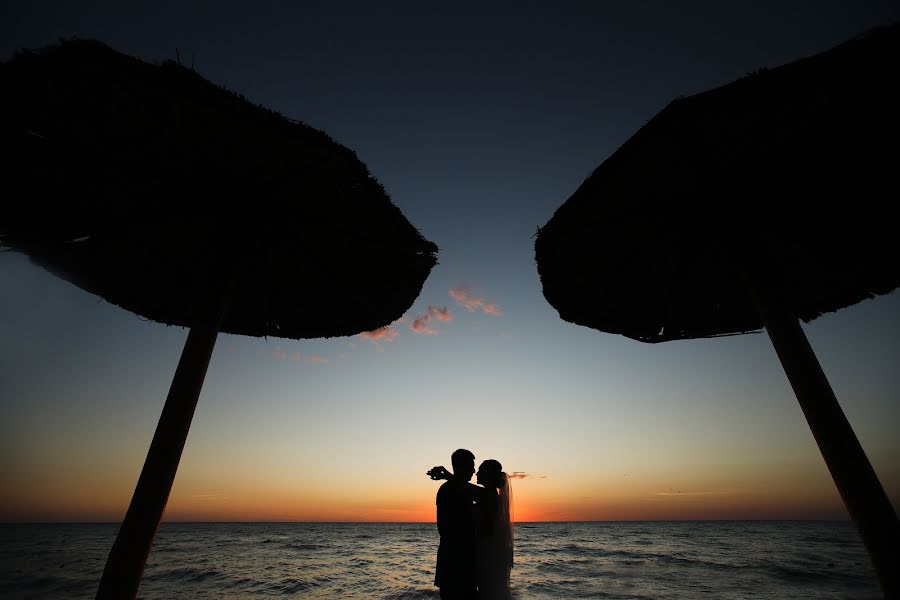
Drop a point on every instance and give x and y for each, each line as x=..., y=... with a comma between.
x=505, y=516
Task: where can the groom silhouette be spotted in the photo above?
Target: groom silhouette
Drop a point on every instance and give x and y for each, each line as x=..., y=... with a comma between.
x=455, y=572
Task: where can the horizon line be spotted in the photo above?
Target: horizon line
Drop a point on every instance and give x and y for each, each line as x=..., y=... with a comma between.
x=190, y=522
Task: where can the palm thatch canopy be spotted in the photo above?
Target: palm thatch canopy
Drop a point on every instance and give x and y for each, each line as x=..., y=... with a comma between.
x=787, y=172
x=141, y=182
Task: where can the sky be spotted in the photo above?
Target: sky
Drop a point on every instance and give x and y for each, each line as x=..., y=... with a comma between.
x=479, y=121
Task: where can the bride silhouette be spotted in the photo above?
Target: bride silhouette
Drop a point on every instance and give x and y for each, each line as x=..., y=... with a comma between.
x=492, y=515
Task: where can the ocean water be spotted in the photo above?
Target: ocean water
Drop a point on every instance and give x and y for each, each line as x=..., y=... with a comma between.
x=249, y=561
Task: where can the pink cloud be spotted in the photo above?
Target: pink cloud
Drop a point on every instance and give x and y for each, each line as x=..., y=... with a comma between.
x=422, y=325
x=465, y=299
x=319, y=360
x=382, y=334
x=441, y=314
x=279, y=354
x=491, y=309
x=296, y=357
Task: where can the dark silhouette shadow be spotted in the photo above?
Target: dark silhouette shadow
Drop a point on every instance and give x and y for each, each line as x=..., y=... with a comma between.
x=474, y=522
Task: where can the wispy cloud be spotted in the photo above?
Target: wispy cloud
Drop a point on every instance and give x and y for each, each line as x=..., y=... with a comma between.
x=491, y=309
x=280, y=354
x=471, y=303
x=674, y=492
x=524, y=475
x=441, y=314
x=380, y=335
x=421, y=324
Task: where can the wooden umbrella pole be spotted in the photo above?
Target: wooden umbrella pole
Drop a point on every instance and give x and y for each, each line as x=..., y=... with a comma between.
x=853, y=475
x=125, y=565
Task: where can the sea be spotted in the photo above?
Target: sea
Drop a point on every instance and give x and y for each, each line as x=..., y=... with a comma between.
x=250, y=561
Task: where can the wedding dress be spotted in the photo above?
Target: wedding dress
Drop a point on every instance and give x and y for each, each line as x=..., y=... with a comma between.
x=494, y=544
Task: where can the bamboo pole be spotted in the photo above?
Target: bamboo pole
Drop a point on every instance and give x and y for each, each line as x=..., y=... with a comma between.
x=125, y=565
x=863, y=495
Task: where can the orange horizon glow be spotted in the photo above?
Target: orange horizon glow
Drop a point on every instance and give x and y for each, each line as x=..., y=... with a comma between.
x=258, y=483
x=531, y=504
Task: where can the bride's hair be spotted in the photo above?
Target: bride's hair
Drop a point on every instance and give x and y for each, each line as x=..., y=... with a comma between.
x=494, y=470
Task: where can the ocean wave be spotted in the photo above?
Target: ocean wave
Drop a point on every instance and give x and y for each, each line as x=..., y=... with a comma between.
x=183, y=574
x=292, y=586
x=412, y=593
x=302, y=546
x=574, y=589
x=245, y=583
x=587, y=551
x=396, y=562
x=699, y=562
x=821, y=575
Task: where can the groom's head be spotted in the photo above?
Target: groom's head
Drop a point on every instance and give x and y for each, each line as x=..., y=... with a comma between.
x=463, y=464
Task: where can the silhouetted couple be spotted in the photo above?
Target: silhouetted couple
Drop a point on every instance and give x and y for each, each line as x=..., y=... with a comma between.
x=476, y=550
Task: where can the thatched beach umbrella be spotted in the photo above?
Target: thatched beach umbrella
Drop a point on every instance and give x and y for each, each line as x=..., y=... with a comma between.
x=750, y=206
x=187, y=205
